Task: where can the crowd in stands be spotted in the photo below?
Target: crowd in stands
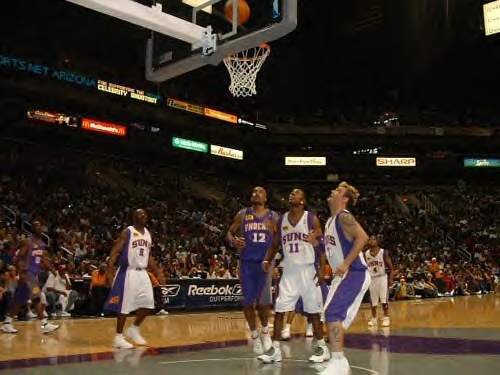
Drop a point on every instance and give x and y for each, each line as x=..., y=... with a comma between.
x=84, y=205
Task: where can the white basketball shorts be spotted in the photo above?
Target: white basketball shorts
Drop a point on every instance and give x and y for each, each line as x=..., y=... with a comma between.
x=298, y=281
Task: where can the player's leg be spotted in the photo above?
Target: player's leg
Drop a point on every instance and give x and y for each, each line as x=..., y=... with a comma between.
x=341, y=308
x=313, y=306
x=286, y=332
x=40, y=303
x=374, y=298
x=250, y=288
x=141, y=301
x=117, y=302
x=289, y=292
x=383, y=289
x=265, y=302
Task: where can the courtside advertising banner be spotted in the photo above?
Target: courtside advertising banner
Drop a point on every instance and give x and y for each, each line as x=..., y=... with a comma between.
x=305, y=161
x=201, y=294
x=226, y=152
x=396, y=162
x=104, y=127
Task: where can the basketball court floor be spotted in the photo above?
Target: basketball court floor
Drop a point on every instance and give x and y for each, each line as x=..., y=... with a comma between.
x=458, y=335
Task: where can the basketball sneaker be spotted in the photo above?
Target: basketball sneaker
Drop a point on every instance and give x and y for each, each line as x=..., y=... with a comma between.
x=286, y=332
x=162, y=312
x=119, y=342
x=8, y=328
x=321, y=354
x=64, y=314
x=133, y=333
x=309, y=330
x=30, y=315
x=337, y=366
x=272, y=355
x=49, y=327
x=372, y=322
x=257, y=345
x=386, y=322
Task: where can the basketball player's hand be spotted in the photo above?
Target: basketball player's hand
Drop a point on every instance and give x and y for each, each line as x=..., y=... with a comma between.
x=320, y=276
x=239, y=243
x=266, y=265
x=340, y=270
x=312, y=239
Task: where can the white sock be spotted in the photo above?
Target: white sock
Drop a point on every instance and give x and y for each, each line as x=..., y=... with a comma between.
x=134, y=326
x=276, y=344
x=119, y=335
x=288, y=326
x=337, y=355
x=265, y=330
x=8, y=320
x=255, y=334
x=43, y=321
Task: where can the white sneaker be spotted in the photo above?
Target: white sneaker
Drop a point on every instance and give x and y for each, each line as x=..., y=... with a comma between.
x=267, y=342
x=30, y=315
x=309, y=330
x=64, y=314
x=321, y=354
x=49, y=327
x=45, y=315
x=257, y=346
x=272, y=355
x=386, y=322
x=119, y=342
x=133, y=333
x=372, y=322
x=162, y=312
x=286, y=332
x=336, y=367
x=8, y=328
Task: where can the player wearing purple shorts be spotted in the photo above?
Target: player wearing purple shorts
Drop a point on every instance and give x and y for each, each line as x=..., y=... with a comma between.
x=344, y=240
x=252, y=233
x=30, y=259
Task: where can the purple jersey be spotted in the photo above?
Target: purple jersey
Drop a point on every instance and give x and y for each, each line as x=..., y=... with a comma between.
x=258, y=234
x=34, y=255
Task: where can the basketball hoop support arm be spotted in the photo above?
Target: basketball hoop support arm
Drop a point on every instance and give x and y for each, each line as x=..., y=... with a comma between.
x=152, y=18
x=268, y=34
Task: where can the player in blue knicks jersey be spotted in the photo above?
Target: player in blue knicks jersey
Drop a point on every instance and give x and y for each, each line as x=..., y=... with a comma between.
x=344, y=241
x=252, y=233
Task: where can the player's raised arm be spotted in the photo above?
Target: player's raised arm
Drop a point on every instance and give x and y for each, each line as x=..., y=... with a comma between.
x=231, y=237
x=355, y=232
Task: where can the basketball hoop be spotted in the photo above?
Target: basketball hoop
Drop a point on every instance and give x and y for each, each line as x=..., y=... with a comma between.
x=243, y=68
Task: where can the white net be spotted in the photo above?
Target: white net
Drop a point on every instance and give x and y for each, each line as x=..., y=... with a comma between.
x=243, y=68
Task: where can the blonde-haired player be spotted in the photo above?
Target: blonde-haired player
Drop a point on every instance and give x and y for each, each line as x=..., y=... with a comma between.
x=378, y=260
x=344, y=241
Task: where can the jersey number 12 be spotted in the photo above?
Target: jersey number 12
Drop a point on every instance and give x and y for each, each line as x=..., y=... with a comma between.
x=259, y=237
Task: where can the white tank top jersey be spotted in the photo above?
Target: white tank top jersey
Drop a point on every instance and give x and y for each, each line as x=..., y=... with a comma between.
x=376, y=264
x=338, y=246
x=296, y=250
x=137, y=248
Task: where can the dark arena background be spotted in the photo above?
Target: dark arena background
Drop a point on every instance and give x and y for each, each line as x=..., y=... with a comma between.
x=398, y=98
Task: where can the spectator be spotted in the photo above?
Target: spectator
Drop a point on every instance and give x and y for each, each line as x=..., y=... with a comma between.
x=99, y=290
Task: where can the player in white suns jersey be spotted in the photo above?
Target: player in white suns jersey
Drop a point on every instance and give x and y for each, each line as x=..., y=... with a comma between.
x=297, y=230
x=132, y=289
x=344, y=241
x=378, y=261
